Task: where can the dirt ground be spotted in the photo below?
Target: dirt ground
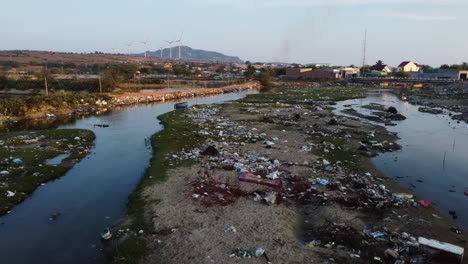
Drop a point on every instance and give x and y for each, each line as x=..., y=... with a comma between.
x=190, y=211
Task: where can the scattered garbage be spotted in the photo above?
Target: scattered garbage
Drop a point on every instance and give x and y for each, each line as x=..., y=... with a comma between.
x=243, y=253
x=106, y=235
x=442, y=246
x=18, y=161
x=230, y=229
x=51, y=116
x=249, y=177
x=101, y=125
x=424, y=203
x=377, y=234
x=259, y=252
x=10, y=194
x=54, y=216
x=456, y=230
x=322, y=181
x=392, y=253
x=270, y=197
x=403, y=196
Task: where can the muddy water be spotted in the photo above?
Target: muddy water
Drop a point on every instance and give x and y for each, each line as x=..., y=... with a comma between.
x=420, y=165
x=91, y=196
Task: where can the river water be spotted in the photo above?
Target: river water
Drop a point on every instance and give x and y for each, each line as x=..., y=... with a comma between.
x=92, y=195
x=425, y=139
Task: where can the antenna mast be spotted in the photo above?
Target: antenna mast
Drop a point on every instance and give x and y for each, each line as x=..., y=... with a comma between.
x=364, y=48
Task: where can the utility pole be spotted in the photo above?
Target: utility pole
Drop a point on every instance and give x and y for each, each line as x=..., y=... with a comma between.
x=100, y=85
x=364, y=49
x=45, y=80
x=46, y=88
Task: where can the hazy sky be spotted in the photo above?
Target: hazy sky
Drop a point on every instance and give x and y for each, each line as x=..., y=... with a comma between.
x=425, y=31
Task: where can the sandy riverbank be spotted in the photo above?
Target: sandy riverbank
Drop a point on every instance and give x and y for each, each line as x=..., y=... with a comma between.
x=300, y=221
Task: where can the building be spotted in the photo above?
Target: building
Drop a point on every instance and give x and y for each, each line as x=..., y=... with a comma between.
x=168, y=66
x=409, y=66
x=383, y=68
x=441, y=74
x=350, y=72
x=308, y=73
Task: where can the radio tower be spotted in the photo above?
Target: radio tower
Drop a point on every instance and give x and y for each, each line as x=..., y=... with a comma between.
x=364, y=48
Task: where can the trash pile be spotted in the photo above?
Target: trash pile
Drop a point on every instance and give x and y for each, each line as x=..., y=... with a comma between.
x=379, y=244
x=327, y=182
x=219, y=127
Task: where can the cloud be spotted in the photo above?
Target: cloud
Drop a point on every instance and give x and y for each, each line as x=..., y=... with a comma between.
x=295, y=3
x=414, y=16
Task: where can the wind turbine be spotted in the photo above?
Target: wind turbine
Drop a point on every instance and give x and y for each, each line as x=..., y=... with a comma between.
x=170, y=48
x=129, y=45
x=161, y=49
x=146, y=45
x=180, y=42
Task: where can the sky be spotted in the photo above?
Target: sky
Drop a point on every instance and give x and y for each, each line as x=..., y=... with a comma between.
x=295, y=31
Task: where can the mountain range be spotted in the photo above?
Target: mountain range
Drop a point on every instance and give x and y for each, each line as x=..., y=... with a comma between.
x=189, y=54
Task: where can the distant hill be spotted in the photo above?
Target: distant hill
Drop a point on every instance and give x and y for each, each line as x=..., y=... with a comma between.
x=189, y=54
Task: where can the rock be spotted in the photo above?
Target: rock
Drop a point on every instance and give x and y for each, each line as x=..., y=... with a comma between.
x=392, y=110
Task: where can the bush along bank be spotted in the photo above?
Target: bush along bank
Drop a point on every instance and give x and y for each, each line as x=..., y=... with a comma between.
x=42, y=104
x=25, y=161
x=290, y=177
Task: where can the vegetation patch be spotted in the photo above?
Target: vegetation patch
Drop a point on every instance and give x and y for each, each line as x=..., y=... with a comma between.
x=23, y=161
x=21, y=106
x=303, y=96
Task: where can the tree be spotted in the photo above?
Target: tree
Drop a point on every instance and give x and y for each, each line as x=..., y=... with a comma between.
x=444, y=66
x=146, y=70
x=279, y=71
x=425, y=67
x=379, y=63
x=265, y=77
x=3, y=81
x=221, y=69
x=112, y=77
x=401, y=74
x=250, y=71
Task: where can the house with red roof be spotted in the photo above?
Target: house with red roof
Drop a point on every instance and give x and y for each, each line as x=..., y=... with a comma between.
x=409, y=66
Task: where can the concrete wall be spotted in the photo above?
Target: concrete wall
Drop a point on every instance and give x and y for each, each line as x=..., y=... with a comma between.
x=440, y=74
x=311, y=74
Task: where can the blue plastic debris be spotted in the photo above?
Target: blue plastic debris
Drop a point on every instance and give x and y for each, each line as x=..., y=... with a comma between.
x=377, y=234
x=321, y=181
x=17, y=161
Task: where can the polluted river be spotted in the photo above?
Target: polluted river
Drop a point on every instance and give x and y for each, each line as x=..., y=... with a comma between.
x=93, y=194
x=433, y=159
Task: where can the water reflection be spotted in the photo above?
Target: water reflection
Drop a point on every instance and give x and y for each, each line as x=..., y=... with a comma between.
x=90, y=196
x=426, y=139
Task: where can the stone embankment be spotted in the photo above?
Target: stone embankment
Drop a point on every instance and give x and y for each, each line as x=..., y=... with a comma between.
x=165, y=95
